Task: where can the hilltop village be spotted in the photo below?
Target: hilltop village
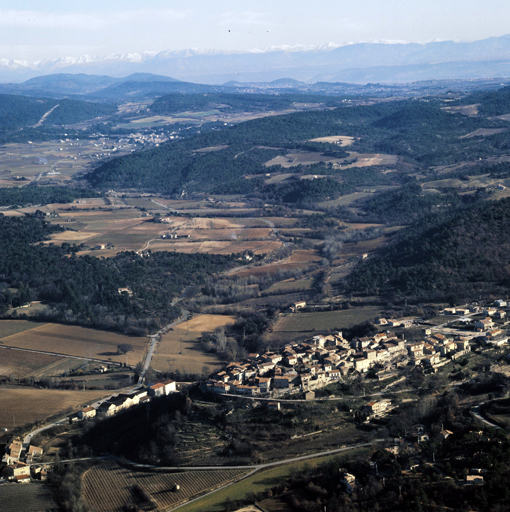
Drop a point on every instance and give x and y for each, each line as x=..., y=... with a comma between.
x=322, y=360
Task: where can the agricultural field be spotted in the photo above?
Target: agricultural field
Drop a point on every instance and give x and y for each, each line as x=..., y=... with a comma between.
x=55, y=161
x=301, y=323
x=210, y=247
x=309, y=158
x=290, y=286
x=109, y=487
x=299, y=259
x=125, y=229
x=344, y=200
x=30, y=497
x=78, y=341
x=28, y=405
x=19, y=364
x=180, y=349
x=10, y=327
x=343, y=139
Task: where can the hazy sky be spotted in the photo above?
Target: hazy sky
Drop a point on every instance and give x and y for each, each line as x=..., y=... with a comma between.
x=39, y=29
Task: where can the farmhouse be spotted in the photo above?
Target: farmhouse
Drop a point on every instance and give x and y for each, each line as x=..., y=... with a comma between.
x=107, y=409
x=88, y=412
x=18, y=471
x=375, y=408
x=297, y=305
x=13, y=452
x=162, y=388
x=33, y=452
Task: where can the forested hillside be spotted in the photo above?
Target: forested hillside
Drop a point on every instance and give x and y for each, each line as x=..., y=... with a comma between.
x=23, y=196
x=21, y=111
x=421, y=133
x=452, y=255
x=84, y=290
x=225, y=102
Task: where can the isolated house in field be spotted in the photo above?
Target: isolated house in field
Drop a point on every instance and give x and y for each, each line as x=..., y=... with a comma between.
x=375, y=408
x=297, y=305
x=162, y=388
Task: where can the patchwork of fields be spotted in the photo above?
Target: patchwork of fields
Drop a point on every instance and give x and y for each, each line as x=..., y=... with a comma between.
x=77, y=341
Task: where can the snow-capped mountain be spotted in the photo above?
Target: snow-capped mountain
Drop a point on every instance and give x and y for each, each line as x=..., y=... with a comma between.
x=357, y=63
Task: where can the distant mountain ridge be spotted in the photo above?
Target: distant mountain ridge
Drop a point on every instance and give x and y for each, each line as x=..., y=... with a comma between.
x=355, y=63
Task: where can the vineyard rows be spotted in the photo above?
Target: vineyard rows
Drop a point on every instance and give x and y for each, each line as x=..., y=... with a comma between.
x=107, y=488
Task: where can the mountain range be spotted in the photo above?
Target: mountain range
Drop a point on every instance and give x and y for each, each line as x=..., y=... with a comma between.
x=354, y=63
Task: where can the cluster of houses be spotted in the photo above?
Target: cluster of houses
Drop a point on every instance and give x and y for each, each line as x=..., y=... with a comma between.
x=321, y=360
x=123, y=401
x=18, y=458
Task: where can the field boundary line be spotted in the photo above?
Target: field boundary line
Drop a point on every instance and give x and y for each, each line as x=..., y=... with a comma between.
x=22, y=332
x=58, y=354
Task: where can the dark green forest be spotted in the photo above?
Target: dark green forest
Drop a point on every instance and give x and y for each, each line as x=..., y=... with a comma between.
x=22, y=111
x=23, y=196
x=451, y=255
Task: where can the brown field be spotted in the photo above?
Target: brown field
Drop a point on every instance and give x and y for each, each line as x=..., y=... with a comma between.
x=305, y=158
x=350, y=250
x=25, y=364
x=180, y=349
x=344, y=139
x=467, y=110
x=226, y=233
x=108, y=487
x=12, y=213
x=484, y=132
x=282, y=221
x=322, y=320
x=298, y=259
x=10, y=327
x=235, y=246
x=278, y=178
x=365, y=160
x=77, y=341
x=345, y=200
x=295, y=159
x=29, y=405
x=27, y=498
x=72, y=236
x=290, y=285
